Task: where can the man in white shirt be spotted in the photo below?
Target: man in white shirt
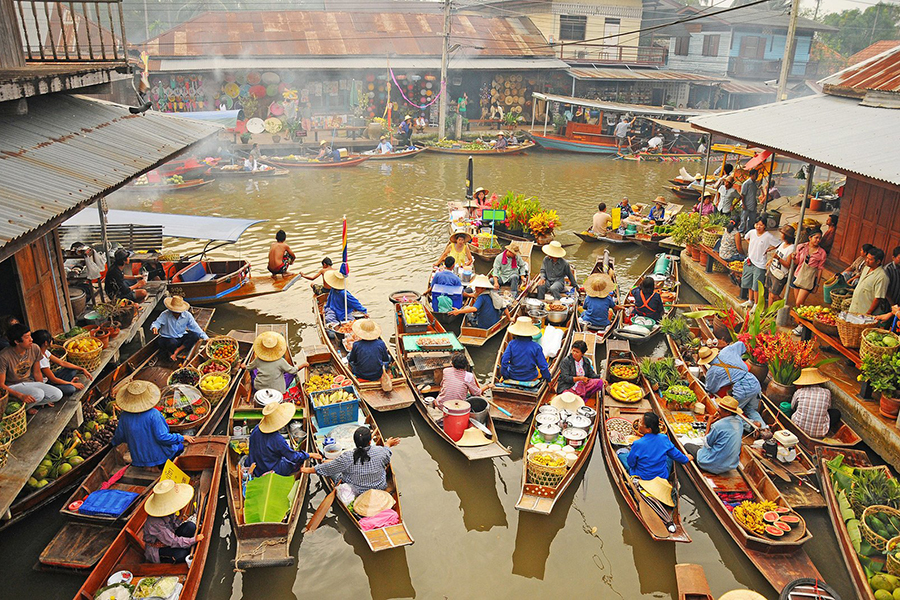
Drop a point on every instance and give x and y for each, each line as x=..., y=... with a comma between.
x=655, y=143
x=727, y=195
x=621, y=132
x=760, y=242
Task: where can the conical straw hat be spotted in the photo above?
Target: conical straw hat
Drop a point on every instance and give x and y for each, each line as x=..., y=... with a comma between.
x=523, y=326
x=176, y=304
x=598, y=285
x=554, y=249
x=366, y=329
x=659, y=488
x=372, y=502
x=137, y=396
x=168, y=497
x=276, y=416
x=269, y=346
x=810, y=376
x=567, y=401
x=473, y=437
x=706, y=355
x=334, y=279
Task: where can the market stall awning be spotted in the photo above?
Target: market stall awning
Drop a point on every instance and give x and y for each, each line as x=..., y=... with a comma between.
x=220, y=229
x=662, y=75
x=637, y=109
x=677, y=125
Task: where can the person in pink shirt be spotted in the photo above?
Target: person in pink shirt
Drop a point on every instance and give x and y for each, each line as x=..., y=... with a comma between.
x=706, y=207
x=459, y=382
x=812, y=254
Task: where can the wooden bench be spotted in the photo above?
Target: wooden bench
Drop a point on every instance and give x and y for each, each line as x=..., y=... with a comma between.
x=809, y=330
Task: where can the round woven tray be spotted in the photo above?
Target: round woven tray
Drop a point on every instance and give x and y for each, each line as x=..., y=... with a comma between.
x=206, y=363
x=171, y=381
x=867, y=349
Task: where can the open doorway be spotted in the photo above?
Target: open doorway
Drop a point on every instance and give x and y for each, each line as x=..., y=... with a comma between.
x=11, y=301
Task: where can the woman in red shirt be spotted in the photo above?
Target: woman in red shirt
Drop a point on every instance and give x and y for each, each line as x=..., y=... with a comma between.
x=812, y=254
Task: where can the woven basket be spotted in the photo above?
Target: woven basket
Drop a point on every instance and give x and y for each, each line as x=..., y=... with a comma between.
x=215, y=396
x=14, y=425
x=88, y=360
x=206, y=363
x=539, y=474
x=709, y=238
x=232, y=360
x=825, y=328
x=838, y=297
x=5, y=443
x=892, y=564
x=878, y=542
x=850, y=333
x=171, y=380
x=867, y=349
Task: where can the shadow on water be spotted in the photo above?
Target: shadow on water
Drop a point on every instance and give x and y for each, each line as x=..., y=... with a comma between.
x=473, y=482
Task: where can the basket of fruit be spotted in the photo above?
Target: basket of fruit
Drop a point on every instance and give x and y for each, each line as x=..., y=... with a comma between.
x=414, y=318
x=879, y=524
x=214, y=386
x=184, y=376
x=623, y=371
x=626, y=392
x=223, y=348
x=183, y=407
x=14, y=420
x=214, y=365
x=84, y=351
x=325, y=381
x=737, y=267
x=546, y=468
x=826, y=322
x=876, y=343
x=679, y=397
x=5, y=443
x=838, y=297
x=434, y=343
x=335, y=406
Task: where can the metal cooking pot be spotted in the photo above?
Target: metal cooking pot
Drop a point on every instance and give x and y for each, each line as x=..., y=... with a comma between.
x=546, y=408
x=549, y=432
x=578, y=422
x=588, y=412
x=575, y=437
x=531, y=303
x=547, y=418
x=557, y=317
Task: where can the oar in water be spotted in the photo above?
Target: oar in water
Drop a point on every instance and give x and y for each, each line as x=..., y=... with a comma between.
x=320, y=513
x=205, y=481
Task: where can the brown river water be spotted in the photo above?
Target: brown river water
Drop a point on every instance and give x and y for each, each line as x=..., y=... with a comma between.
x=470, y=540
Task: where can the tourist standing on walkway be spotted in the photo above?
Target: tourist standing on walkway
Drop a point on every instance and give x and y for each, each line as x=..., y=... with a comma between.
x=893, y=272
x=760, y=242
x=727, y=195
x=779, y=264
x=871, y=288
x=621, y=132
x=810, y=260
x=749, y=193
x=828, y=237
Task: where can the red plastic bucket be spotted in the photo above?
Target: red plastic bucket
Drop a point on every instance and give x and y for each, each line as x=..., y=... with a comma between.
x=456, y=418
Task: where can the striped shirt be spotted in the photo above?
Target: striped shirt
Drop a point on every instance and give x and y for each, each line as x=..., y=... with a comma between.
x=811, y=406
x=361, y=476
x=456, y=384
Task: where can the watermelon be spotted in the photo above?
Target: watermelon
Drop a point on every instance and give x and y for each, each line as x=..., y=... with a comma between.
x=782, y=525
x=790, y=518
x=781, y=510
x=774, y=531
x=770, y=517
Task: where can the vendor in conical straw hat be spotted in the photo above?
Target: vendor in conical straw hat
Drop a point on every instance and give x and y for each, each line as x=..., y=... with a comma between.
x=483, y=312
x=812, y=404
x=269, y=451
x=727, y=373
x=458, y=248
x=334, y=309
x=720, y=451
x=599, y=301
x=269, y=361
x=523, y=359
x=144, y=428
x=369, y=356
x=510, y=268
x=651, y=455
x=658, y=212
x=555, y=270
x=177, y=329
x=168, y=537
x=502, y=142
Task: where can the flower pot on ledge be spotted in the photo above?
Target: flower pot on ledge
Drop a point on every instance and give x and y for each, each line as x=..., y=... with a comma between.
x=759, y=371
x=888, y=406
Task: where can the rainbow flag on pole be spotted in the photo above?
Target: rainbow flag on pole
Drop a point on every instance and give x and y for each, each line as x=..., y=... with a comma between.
x=345, y=267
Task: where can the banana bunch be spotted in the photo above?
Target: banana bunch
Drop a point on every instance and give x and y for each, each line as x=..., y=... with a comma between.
x=335, y=397
x=624, y=391
x=750, y=514
x=317, y=383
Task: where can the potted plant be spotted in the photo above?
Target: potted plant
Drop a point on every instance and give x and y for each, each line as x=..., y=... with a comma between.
x=687, y=231
x=786, y=358
x=509, y=120
x=245, y=137
x=542, y=224
x=758, y=321
x=883, y=374
x=519, y=210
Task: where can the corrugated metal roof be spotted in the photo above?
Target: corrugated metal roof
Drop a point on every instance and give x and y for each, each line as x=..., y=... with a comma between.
x=192, y=227
x=322, y=34
x=458, y=61
x=69, y=150
x=638, y=109
x=879, y=73
x=733, y=87
x=873, y=50
x=837, y=133
x=639, y=75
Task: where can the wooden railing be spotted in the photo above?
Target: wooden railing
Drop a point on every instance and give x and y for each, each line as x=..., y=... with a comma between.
x=87, y=32
x=613, y=55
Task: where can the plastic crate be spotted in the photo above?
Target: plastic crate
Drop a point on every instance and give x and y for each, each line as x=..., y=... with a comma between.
x=336, y=414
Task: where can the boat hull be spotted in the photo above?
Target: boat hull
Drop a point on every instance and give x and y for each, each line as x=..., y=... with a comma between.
x=350, y=162
x=555, y=142
x=510, y=151
x=393, y=155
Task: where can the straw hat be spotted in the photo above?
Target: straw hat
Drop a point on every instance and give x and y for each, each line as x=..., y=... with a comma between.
x=708, y=193
x=482, y=281
x=366, y=329
x=523, y=326
x=659, y=488
x=741, y=595
x=269, y=346
x=276, y=416
x=168, y=497
x=554, y=249
x=660, y=200
x=457, y=232
x=514, y=248
x=137, y=396
x=730, y=404
x=810, y=376
x=567, y=401
x=481, y=189
x=372, y=502
x=706, y=355
x=407, y=117
x=323, y=142
x=176, y=304
x=473, y=437
x=698, y=177
x=381, y=138
x=334, y=279
x=598, y=285
x=501, y=134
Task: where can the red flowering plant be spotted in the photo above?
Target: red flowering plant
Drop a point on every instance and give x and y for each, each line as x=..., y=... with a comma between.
x=785, y=356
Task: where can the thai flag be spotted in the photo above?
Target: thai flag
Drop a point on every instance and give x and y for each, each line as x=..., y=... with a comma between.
x=345, y=267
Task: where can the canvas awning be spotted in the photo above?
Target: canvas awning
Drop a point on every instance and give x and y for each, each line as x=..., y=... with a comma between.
x=219, y=229
x=636, y=109
x=225, y=118
x=677, y=125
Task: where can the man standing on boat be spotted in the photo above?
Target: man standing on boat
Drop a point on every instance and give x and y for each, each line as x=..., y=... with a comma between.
x=621, y=132
x=404, y=140
x=177, y=328
x=280, y=255
x=446, y=288
x=555, y=270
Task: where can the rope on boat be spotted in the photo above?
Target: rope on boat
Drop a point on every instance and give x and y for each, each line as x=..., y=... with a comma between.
x=260, y=548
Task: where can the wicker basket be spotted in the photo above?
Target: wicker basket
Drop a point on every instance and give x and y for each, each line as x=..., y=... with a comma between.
x=825, y=328
x=850, y=333
x=710, y=237
x=171, y=380
x=14, y=425
x=539, y=474
x=206, y=363
x=88, y=360
x=719, y=267
x=232, y=359
x=878, y=542
x=892, y=564
x=838, y=297
x=215, y=396
x=867, y=349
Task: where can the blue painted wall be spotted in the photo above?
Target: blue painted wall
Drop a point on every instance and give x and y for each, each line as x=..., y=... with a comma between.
x=775, y=48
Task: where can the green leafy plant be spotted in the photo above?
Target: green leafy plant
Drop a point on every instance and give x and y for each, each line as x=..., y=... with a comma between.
x=677, y=328
x=760, y=320
x=687, y=229
x=519, y=209
x=882, y=373
x=823, y=188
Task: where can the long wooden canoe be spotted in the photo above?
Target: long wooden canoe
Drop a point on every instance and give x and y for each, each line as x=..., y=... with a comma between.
x=610, y=237
x=153, y=366
x=263, y=544
x=508, y=151
x=671, y=284
x=401, y=396
x=157, y=188
x=202, y=462
x=84, y=538
x=691, y=582
x=405, y=153
x=352, y=160
x=421, y=370
x=228, y=173
x=208, y=282
x=841, y=437
x=606, y=265
x=661, y=522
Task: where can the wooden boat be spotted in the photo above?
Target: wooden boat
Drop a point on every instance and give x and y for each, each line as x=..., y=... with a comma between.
x=661, y=522
x=156, y=188
x=406, y=153
x=422, y=371
x=611, y=237
x=604, y=264
x=84, y=538
x=285, y=163
x=223, y=408
x=383, y=538
x=208, y=282
x=148, y=363
x=685, y=193
x=508, y=151
x=670, y=287
x=470, y=335
x=691, y=582
x=597, y=144
x=662, y=157
x=401, y=396
x=202, y=462
x=264, y=544
x=852, y=458
x=779, y=560
x=486, y=254
x=842, y=437
x=188, y=168
x=230, y=172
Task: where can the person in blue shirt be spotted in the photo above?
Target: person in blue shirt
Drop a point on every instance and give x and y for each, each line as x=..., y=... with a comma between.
x=369, y=356
x=384, y=146
x=599, y=301
x=652, y=454
x=144, y=428
x=482, y=311
x=523, y=359
x=177, y=329
x=269, y=451
x=334, y=305
x=721, y=448
x=658, y=212
x=625, y=208
x=647, y=301
x=446, y=288
x=726, y=372
x=404, y=138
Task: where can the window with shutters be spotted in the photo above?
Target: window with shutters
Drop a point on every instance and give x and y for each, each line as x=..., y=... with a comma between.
x=572, y=27
x=682, y=43
x=711, y=45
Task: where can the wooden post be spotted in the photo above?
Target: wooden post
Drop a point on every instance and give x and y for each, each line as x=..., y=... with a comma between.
x=784, y=314
x=12, y=54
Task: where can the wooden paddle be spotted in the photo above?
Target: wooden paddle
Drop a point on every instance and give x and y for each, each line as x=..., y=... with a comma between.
x=205, y=480
x=500, y=408
x=320, y=513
